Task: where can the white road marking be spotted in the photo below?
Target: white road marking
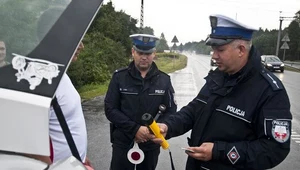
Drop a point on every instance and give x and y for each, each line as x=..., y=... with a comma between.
x=295, y=137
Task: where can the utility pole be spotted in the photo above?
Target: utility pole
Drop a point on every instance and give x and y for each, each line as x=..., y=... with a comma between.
x=279, y=31
x=279, y=34
x=142, y=15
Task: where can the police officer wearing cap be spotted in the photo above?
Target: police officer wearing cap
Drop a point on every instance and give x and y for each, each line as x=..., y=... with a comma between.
x=241, y=117
x=137, y=89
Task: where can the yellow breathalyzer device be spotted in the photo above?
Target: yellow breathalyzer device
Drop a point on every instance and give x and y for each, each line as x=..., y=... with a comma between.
x=151, y=123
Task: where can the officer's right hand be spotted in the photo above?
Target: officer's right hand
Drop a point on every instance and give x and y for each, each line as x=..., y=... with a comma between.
x=142, y=135
x=163, y=130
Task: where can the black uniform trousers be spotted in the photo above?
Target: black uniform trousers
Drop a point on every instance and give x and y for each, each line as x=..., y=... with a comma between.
x=120, y=162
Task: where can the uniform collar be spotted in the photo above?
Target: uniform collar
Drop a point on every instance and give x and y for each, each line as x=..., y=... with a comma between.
x=136, y=73
x=253, y=65
x=221, y=79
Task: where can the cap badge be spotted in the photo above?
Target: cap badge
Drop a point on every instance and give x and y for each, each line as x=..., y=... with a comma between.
x=146, y=39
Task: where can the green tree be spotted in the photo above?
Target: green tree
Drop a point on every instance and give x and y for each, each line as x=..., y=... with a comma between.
x=198, y=47
x=162, y=44
x=294, y=44
x=265, y=41
x=147, y=30
x=202, y=48
x=117, y=26
x=180, y=47
x=98, y=60
x=107, y=47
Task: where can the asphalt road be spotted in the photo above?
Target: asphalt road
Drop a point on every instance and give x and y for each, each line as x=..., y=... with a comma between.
x=187, y=83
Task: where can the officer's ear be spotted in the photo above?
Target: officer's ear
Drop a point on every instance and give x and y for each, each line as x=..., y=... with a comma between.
x=154, y=53
x=132, y=53
x=242, y=49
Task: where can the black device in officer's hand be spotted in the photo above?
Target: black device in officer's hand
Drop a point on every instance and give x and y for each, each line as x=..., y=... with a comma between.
x=187, y=150
x=151, y=123
x=161, y=109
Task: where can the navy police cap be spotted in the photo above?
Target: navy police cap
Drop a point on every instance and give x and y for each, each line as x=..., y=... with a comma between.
x=225, y=29
x=144, y=42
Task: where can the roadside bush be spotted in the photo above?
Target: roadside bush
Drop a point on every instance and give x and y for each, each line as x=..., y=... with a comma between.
x=100, y=57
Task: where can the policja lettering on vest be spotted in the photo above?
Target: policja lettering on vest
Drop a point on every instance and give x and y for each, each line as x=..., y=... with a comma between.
x=235, y=110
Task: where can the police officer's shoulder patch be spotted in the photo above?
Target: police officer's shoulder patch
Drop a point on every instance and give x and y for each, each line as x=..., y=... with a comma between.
x=281, y=130
x=274, y=82
x=277, y=124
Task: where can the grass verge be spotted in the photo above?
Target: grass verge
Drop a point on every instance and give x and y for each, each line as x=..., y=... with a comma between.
x=92, y=90
x=291, y=69
x=171, y=63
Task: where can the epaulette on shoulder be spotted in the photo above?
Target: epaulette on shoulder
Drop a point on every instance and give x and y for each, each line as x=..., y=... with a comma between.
x=274, y=82
x=120, y=70
x=164, y=73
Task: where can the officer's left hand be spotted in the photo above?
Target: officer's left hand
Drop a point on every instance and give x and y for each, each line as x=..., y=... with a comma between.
x=203, y=152
x=143, y=134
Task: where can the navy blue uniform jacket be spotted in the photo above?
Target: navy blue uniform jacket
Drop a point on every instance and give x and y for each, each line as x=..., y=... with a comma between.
x=129, y=96
x=246, y=115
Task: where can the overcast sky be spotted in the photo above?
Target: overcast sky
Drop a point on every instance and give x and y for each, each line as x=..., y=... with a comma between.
x=189, y=19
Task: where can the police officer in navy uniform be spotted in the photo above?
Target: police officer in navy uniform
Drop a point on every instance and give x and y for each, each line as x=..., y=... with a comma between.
x=241, y=117
x=137, y=89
